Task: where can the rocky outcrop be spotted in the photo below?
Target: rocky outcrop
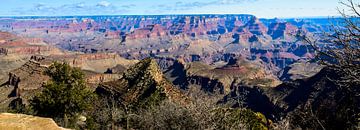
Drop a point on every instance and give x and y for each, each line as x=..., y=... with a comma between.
x=299, y=70
x=236, y=72
x=9, y=63
x=26, y=122
x=96, y=62
x=142, y=83
x=28, y=77
x=29, y=50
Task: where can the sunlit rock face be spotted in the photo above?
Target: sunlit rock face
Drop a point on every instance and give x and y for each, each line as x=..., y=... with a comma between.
x=26, y=122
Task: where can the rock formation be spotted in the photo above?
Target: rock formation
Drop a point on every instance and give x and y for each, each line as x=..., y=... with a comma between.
x=26, y=122
x=300, y=70
x=234, y=73
x=142, y=83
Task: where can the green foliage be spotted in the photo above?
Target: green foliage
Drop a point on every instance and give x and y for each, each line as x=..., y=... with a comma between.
x=65, y=95
x=239, y=119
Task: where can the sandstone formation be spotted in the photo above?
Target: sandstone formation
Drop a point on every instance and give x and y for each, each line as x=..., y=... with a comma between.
x=26, y=122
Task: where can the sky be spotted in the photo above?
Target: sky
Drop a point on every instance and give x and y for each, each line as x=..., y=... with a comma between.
x=259, y=8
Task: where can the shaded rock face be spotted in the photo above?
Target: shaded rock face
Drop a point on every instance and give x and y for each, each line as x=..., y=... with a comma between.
x=314, y=97
x=174, y=70
x=253, y=98
x=207, y=84
x=282, y=30
x=320, y=95
x=177, y=74
x=26, y=122
x=140, y=83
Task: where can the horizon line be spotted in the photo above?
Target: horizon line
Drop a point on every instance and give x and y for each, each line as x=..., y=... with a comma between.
x=98, y=15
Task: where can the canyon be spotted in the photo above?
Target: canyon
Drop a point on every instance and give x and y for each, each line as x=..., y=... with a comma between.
x=142, y=60
x=206, y=38
x=214, y=52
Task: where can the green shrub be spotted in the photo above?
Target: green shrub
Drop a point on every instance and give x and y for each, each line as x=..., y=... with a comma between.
x=65, y=96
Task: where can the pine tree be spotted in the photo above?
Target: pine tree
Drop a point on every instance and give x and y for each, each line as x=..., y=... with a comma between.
x=65, y=96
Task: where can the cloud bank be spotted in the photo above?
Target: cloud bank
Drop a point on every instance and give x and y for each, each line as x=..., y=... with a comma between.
x=82, y=8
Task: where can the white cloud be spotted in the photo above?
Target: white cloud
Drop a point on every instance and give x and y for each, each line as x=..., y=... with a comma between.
x=104, y=4
x=80, y=5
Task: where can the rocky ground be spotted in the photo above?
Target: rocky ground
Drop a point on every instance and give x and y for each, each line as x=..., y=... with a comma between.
x=26, y=122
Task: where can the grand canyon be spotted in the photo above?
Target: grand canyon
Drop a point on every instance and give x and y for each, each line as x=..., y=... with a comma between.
x=179, y=71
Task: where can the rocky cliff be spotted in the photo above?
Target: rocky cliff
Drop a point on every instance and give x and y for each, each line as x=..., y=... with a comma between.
x=29, y=77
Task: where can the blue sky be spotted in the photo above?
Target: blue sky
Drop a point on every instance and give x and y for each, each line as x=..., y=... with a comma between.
x=259, y=8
